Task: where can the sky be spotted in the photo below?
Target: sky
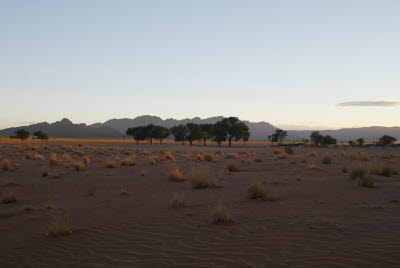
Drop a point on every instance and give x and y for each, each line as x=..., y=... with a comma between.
x=296, y=64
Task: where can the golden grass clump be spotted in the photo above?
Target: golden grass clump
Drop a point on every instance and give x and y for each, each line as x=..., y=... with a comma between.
x=178, y=201
x=86, y=160
x=278, y=151
x=11, y=183
x=174, y=174
x=257, y=159
x=38, y=157
x=169, y=155
x=80, y=166
x=200, y=178
x=145, y=152
x=53, y=160
x=28, y=155
x=5, y=164
x=259, y=192
x=232, y=166
x=326, y=159
x=209, y=157
x=44, y=171
x=9, y=196
x=152, y=160
x=200, y=157
x=128, y=161
x=367, y=181
x=124, y=191
x=59, y=226
x=282, y=155
x=313, y=154
x=111, y=163
x=220, y=214
x=343, y=153
x=313, y=165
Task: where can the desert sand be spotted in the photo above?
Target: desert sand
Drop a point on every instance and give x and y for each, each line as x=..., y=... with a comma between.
x=122, y=216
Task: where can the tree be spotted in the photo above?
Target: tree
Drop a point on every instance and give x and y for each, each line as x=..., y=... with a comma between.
x=246, y=137
x=219, y=132
x=148, y=132
x=138, y=133
x=206, y=132
x=360, y=141
x=387, y=140
x=21, y=134
x=235, y=129
x=160, y=133
x=352, y=143
x=327, y=140
x=40, y=135
x=316, y=138
x=180, y=132
x=194, y=132
x=278, y=136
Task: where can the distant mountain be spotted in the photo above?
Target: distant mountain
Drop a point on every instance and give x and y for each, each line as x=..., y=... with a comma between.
x=115, y=128
x=65, y=128
x=259, y=131
x=347, y=134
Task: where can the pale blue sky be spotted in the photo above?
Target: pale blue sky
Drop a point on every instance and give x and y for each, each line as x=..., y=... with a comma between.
x=285, y=62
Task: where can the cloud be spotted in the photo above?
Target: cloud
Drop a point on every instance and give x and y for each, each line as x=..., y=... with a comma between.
x=369, y=104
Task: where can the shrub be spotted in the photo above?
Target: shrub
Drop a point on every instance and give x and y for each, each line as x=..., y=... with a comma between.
x=209, y=157
x=128, y=161
x=9, y=196
x=59, y=226
x=256, y=191
x=313, y=165
x=124, y=191
x=178, y=201
x=200, y=157
x=28, y=155
x=326, y=159
x=232, y=166
x=257, y=159
x=44, y=171
x=111, y=164
x=169, y=155
x=86, y=160
x=11, y=183
x=200, y=178
x=39, y=157
x=314, y=154
x=220, y=214
x=359, y=172
x=5, y=164
x=367, y=181
x=174, y=174
x=152, y=160
x=79, y=166
x=53, y=160
x=288, y=150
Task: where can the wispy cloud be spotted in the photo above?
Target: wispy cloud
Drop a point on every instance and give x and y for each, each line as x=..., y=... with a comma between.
x=369, y=104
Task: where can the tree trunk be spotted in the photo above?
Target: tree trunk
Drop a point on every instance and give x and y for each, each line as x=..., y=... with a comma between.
x=230, y=141
x=160, y=141
x=190, y=142
x=205, y=142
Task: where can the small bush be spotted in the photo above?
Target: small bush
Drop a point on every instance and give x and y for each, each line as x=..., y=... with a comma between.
x=359, y=172
x=39, y=157
x=200, y=157
x=152, y=160
x=53, y=160
x=124, y=191
x=314, y=154
x=200, y=178
x=256, y=191
x=232, y=166
x=111, y=164
x=178, y=201
x=128, y=161
x=11, y=183
x=220, y=214
x=313, y=165
x=326, y=159
x=86, y=160
x=79, y=166
x=9, y=196
x=174, y=174
x=5, y=164
x=367, y=181
x=288, y=150
x=44, y=171
x=28, y=155
x=59, y=226
x=169, y=155
x=209, y=157
x=257, y=159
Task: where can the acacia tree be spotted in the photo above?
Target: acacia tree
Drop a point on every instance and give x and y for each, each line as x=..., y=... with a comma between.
x=22, y=134
x=278, y=136
x=138, y=133
x=40, y=135
x=219, y=132
x=206, y=132
x=180, y=132
x=327, y=140
x=235, y=129
x=316, y=138
x=160, y=133
x=360, y=141
x=194, y=132
x=386, y=140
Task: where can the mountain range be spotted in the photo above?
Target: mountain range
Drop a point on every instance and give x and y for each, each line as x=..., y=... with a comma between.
x=116, y=128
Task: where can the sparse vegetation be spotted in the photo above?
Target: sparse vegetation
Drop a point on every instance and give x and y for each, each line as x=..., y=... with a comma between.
x=220, y=214
x=5, y=164
x=53, y=160
x=258, y=191
x=9, y=196
x=326, y=159
x=232, y=165
x=174, y=174
x=59, y=226
x=201, y=178
x=111, y=163
x=178, y=201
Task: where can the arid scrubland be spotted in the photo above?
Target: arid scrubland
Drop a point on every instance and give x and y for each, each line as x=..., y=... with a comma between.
x=63, y=192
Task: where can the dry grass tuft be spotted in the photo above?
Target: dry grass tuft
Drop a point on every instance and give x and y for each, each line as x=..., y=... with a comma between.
x=11, y=183
x=259, y=192
x=5, y=164
x=174, y=174
x=257, y=159
x=232, y=166
x=128, y=161
x=59, y=226
x=314, y=154
x=169, y=155
x=53, y=160
x=79, y=166
x=210, y=157
x=9, y=196
x=111, y=163
x=313, y=165
x=200, y=178
x=124, y=191
x=153, y=160
x=326, y=159
x=220, y=214
x=39, y=157
x=178, y=201
x=86, y=160
x=28, y=155
x=44, y=171
x=200, y=157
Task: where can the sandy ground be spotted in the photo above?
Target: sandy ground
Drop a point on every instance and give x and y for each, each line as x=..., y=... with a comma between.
x=321, y=218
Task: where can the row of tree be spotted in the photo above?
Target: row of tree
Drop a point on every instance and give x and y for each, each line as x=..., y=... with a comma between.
x=227, y=129
x=24, y=134
x=319, y=139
